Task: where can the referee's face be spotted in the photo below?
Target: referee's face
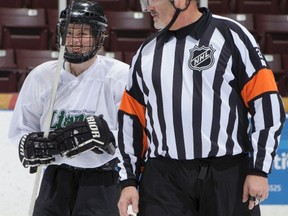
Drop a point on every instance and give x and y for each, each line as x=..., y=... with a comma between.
x=162, y=12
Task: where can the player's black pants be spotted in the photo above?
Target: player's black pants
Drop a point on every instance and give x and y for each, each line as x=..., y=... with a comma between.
x=66, y=191
x=211, y=187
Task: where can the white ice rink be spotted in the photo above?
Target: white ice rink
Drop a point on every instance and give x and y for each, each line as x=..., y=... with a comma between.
x=16, y=184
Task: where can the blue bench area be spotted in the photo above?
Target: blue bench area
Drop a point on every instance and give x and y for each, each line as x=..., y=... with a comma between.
x=278, y=179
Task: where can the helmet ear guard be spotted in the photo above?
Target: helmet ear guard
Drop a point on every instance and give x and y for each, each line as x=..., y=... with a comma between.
x=84, y=12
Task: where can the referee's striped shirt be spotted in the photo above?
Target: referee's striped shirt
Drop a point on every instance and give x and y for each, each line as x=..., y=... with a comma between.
x=189, y=95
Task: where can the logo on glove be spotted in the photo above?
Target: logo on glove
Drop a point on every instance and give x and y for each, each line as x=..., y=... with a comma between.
x=93, y=126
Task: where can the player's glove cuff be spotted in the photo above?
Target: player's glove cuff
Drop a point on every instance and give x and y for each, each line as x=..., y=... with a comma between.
x=35, y=150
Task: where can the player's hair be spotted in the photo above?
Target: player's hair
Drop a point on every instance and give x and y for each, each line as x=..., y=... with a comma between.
x=84, y=12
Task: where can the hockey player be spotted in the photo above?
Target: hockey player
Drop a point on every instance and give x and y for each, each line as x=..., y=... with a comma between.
x=80, y=178
x=200, y=120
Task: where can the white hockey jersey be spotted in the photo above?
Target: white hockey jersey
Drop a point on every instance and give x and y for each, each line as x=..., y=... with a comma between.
x=97, y=91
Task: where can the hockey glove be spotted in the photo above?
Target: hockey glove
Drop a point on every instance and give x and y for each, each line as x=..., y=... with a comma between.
x=91, y=134
x=35, y=150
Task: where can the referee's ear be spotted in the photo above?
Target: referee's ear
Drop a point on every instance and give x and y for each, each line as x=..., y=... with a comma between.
x=181, y=4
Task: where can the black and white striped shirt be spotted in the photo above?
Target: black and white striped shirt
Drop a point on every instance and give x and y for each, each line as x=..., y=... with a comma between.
x=190, y=93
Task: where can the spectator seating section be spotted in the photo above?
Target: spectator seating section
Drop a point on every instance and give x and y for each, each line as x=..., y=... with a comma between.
x=8, y=75
x=273, y=32
x=47, y=4
x=275, y=63
x=23, y=28
x=248, y=6
x=52, y=16
x=27, y=59
x=221, y=6
x=260, y=6
x=11, y=3
x=127, y=30
x=115, y=5
x=135, y=5
x=7, y=59
x=285, y=61
x=285, y=66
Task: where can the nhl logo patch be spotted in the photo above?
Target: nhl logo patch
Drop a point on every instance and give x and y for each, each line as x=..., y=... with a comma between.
x=201, y=58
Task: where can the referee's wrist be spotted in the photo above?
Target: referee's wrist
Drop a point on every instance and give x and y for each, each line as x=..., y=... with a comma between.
x=127, y=183
x=257, y=173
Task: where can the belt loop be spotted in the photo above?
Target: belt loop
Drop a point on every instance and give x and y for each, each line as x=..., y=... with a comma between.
x=203, y=172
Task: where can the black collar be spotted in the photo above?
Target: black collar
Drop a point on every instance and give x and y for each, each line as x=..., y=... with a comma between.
x=195, y=29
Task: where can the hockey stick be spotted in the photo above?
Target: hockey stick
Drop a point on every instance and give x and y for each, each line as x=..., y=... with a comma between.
x=47, y=123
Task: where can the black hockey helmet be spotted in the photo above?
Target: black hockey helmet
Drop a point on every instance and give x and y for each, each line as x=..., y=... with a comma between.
x=84, y=12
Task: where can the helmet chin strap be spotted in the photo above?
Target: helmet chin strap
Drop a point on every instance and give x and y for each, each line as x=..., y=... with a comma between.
x=172, y=2
x=176, y=14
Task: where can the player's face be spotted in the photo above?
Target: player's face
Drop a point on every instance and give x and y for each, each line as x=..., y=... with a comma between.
x=162, y=12
x=79, y=38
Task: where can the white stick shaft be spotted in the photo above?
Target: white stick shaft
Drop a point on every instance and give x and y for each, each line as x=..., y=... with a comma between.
x=46, y=127
x=35, y=190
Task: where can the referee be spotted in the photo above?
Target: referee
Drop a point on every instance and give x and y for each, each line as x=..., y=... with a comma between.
x=200, y=120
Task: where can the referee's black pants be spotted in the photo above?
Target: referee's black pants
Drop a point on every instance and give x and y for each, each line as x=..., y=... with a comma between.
x=199, y=187
x=69, y=191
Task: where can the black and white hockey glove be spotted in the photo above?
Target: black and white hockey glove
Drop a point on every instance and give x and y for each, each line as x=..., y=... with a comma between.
x=91, y=134
x=35, y=150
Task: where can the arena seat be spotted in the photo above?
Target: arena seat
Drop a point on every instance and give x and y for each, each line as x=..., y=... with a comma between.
x=8, y=72
x=135, y=5
x=285, y=66
x=127, y=30
x=11, y=3
x=27, y=59
x=47, y=4
x=283, y=6
x=222, y=6
x=275, y=62
x=285, y=61
x=114, y=5
x=23, y=28
x=52, y=16
x=260, y=6
x=273, y=32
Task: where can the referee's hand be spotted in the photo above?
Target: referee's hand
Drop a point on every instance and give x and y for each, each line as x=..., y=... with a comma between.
x=129, y=196
x=255, y=190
